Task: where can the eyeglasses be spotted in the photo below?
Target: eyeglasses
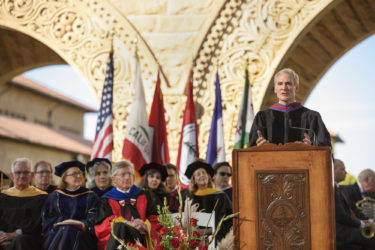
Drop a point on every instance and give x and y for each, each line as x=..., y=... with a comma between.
x=101, y=173
x=75, y=174
x=43, y=172
x=124, y=175
x=225, y=174
x=18, y=173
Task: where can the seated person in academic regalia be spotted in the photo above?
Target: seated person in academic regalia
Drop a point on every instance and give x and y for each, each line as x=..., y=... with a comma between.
x=201, y=191
x=154, y=192
x=20, y=206
x=68, y=215
x=348, y=226
x=98, y=176
x=287, y=120
x=223, y=174
x=43, y=176
x=118, y=206
x=364, y=187
x=171, y=184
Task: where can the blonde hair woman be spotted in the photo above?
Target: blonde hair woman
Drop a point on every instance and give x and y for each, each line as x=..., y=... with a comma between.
x=68, y=215
x=202, y=192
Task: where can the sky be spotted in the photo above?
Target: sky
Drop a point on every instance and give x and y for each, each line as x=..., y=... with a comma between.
x=345, y=98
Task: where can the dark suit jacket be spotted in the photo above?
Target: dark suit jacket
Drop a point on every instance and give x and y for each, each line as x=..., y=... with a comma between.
x=353, y=194
x=347, y=226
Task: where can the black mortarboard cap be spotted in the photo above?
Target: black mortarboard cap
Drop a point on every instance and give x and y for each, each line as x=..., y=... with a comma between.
x=61, y=168
x=196, y=165
x=154, y=166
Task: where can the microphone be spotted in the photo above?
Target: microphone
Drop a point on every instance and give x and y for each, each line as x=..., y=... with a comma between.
x=304, y=129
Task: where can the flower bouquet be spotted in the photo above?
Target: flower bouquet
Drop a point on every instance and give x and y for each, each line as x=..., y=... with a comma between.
x=180, y=231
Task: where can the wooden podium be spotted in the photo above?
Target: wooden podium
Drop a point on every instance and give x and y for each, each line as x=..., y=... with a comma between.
x=285, y=197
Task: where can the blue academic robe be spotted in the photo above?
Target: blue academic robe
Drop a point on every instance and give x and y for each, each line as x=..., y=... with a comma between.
x=61, y=205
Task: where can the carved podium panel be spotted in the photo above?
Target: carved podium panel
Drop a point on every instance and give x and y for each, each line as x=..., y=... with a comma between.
x=285, y=197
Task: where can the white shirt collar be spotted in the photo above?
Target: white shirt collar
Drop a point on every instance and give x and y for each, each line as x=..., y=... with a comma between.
x=124, y=192
x=360, y=188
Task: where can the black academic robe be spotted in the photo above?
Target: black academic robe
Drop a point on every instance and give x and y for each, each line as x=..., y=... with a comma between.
x=62, y=205
x=100, y=192
x=115, y=204
x=353, y=194
x=147, y=203
x=50, y=189
x=229, y=192
x=22, y=212
x=207, y=200
x=282, y=124
x=348, y=227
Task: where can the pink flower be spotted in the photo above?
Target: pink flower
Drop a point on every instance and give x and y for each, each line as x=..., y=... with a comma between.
x=193, y=222
x=193, y=243
x=174, y=242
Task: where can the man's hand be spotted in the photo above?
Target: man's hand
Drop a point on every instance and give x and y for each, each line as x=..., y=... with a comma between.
x=5, y=244
x=4, y=237
x=370, y=224
x=261, y=140
x=306, y=140
x=139, y=225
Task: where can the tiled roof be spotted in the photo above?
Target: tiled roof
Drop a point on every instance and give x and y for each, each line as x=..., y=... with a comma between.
x=23, y=82
x=40, y=135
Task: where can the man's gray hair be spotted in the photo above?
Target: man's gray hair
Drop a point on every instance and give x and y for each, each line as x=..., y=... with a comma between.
x=90, y=183
x=291, y=72
x=20, y=160
x=122, y=164
x=368, y=175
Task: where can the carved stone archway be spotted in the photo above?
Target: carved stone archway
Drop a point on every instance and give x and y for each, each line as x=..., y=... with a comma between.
x=307, y=35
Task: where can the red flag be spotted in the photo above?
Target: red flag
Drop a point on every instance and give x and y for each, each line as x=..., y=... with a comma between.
x=188, y=150
x=158, y=130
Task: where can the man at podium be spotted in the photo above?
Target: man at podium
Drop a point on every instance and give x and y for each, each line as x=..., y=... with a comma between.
x=287, y=120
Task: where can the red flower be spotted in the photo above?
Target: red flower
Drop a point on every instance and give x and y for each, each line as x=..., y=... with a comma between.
x=193, y=243
x=203, y=247
x=193, y=222
x=174, y=242
x=136, y=246
x=196, y=233
x=163, y=230
x=176, y=229
x=159, y=247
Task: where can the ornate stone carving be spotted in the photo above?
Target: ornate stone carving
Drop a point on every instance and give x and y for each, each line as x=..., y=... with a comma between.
x=80, y=32
x=283, y=209
x=260, y=31
x=77, y=30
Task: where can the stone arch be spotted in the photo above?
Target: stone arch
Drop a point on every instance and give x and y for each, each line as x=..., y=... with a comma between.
x=79, y=33
x=273, y=35
x=331, y=35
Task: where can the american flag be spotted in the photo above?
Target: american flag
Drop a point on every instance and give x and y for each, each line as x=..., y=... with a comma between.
x=103, y=142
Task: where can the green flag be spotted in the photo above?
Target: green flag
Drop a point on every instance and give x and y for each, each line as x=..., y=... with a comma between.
x=245, y=116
